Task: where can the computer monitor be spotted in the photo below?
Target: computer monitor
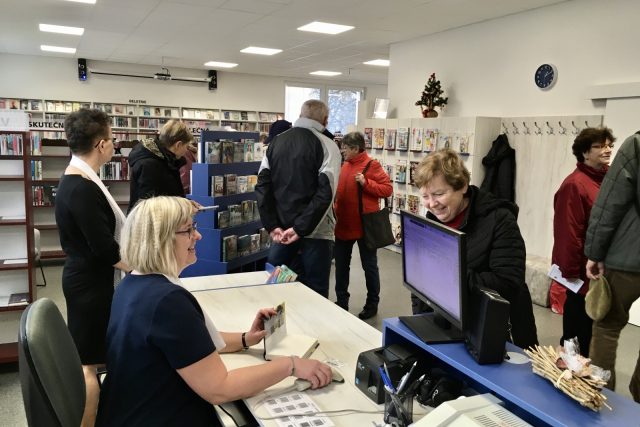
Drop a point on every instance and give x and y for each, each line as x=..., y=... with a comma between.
x=434, y=270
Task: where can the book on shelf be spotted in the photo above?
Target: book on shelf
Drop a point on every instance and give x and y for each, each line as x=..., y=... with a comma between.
x=416, y=139
x=399, y=202
x=390, y=139
x=247, y=210
x=258, y=152
x=444, y=141
x=244, y=115
x=401, y=172
x=24, y=104
x=252, y=180
x=223, y=219
x=368, y=137
x=35, y=105
x=210, y=115
x=430, y=139
x=244, y=245
x=235, y=215
x=263, y=117
x=242, y=184
x=248, y=150
x=226, y=115
x=255, y=243
x=412, y=171
x=217, y=185
x=230, y=184
x=213, y=150
x=413, y=204
x=402, y=141
x=256, y=213
x=378, y=138
x=265, y=238
x=118, y=109
x=389, y=171
x=229, y=247
x=21, y=298
x=227, y=152
x=280, y=343
x=238, y=152
x=235, y=115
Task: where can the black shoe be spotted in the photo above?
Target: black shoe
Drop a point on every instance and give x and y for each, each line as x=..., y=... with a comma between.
x=368, y=312
x=344, y=306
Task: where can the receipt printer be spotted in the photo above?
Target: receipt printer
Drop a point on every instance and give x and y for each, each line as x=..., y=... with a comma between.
x=398, y=360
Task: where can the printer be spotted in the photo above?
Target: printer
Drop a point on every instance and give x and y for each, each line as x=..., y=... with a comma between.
x=398, y=360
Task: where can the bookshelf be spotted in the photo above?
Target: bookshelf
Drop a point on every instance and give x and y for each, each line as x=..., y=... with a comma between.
x=412, y=139
x=210, y=248
x=16, y=233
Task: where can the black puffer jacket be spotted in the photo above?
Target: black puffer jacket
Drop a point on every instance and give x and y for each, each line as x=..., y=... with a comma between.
x=500, y=169
x=155, y=171
x=496, y=258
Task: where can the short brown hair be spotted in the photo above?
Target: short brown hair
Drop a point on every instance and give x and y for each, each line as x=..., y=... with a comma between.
x=354, y=140
x=174, y=131
x=445, y=162
x=589, y=136
x=84, y=127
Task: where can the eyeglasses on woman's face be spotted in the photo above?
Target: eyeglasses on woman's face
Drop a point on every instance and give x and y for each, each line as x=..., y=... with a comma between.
x=190, y=231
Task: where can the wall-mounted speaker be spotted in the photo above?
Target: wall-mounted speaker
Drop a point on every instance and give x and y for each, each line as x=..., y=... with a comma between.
x=213, y=80
x=82, y=69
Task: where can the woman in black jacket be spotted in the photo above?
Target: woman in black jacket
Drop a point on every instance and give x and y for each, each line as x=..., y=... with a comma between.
x=495, y=248
x=155, y=163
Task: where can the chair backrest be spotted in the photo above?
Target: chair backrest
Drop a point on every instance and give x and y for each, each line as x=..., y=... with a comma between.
x=51, y=376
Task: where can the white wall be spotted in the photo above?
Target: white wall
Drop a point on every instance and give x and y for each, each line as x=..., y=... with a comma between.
x=57, y=78
x=487, y=68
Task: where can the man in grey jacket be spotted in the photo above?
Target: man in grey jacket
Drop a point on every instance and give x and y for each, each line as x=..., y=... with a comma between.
x=613, y=249
x=296, y=187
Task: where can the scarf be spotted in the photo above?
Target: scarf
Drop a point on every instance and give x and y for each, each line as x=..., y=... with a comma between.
x=117, y=212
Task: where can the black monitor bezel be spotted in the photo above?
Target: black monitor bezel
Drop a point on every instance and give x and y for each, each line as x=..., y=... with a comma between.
x=462, y=270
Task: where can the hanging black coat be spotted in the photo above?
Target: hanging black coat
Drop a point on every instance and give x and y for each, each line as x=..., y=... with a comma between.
x=500, y=169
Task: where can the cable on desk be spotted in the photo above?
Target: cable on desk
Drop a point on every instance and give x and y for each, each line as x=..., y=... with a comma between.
x=228, y=414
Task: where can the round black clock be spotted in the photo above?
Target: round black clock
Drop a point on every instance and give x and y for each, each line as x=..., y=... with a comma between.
x=546, y=76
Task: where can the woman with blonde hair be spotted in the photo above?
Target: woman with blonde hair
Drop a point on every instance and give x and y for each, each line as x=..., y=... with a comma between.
x=163, y=352
x=495, y=248
x=155, y=163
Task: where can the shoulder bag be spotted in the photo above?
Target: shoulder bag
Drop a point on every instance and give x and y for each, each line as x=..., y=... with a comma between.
x=376, y=226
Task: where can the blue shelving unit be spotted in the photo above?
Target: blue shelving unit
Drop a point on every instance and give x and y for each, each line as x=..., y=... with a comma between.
x=209, y=249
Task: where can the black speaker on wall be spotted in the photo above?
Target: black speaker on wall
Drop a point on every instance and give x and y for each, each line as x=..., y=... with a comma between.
x=213, y=80
x=82, y=69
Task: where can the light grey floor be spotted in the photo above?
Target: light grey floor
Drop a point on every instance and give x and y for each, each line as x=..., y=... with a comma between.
x=394, y=301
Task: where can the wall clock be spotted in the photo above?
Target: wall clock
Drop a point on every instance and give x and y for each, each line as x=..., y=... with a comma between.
x=545, y=76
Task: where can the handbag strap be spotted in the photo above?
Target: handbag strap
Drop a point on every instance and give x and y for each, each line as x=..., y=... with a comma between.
x=364, y=171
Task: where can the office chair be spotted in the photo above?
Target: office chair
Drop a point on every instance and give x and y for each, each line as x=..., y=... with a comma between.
x=36, y=246
x=51, y=377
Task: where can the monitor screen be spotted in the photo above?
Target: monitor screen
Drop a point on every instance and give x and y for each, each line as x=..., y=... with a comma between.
x=433, y=265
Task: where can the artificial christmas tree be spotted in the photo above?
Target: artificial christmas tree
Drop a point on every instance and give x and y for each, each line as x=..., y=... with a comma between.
x=431, y=97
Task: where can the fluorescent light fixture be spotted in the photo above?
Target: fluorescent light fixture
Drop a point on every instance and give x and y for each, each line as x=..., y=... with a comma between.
x=260, y=50
x=326, y=73
x=325, y=28
x=84, y=1
x=61, y=29
x=220, y=64
x=59, y=49
x=378, y=62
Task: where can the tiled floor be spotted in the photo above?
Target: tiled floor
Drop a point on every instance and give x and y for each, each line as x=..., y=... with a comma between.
x=394, y=302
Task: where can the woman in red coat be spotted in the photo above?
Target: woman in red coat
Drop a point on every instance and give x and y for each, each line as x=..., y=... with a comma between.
x=572, y=207
x=375, y=183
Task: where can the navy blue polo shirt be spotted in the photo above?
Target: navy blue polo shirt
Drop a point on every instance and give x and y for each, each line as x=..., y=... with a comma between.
x=155, y=328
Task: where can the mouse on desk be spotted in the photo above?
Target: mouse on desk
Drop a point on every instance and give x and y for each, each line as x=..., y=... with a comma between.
x=302, y=385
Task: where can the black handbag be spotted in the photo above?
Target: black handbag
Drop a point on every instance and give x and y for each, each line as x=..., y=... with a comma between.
x=376, y=226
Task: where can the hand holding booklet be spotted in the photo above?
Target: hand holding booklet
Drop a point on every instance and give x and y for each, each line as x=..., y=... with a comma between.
x=556, y=274
x=279, y=343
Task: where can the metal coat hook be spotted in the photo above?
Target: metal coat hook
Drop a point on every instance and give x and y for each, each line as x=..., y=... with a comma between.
x=550, y=131
x=515, y=129
x=505, y=130
x=538, y=131
x=526, y=129
x=586, y=123
x=576, y=129
x=563, y=130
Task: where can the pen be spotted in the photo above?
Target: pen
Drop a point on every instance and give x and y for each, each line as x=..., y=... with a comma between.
x=386, y=380
x=405, y=377
x=386, y=370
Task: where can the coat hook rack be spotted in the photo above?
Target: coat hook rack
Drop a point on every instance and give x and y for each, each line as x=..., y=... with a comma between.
x=526, y=129
x=515, y=129
x=538, y=130
x=576, y=129
x=586, y=123
x=563, y=130
x=505, y=130
x=550, y=129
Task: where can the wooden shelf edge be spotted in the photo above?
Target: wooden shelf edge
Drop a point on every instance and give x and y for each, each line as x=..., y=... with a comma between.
x=20, y=307
x=9, y=352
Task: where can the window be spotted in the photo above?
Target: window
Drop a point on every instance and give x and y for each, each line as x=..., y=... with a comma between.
x=342, y=102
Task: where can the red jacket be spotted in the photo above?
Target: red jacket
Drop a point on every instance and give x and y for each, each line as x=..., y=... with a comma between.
x=572, y=207
x=377, y=185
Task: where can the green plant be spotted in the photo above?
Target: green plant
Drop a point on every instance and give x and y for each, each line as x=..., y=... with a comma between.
x=431, y=96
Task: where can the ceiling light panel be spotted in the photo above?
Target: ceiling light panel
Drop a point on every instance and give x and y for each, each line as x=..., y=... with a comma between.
x=325, y=28
x=61, y=29
x=260, y=50
x=378, y=62
x=83, y=1
x=325, y=73
x=217, y=64
x=58, y=49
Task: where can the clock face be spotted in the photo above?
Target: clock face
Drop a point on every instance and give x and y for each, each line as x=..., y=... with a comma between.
x=545, y=76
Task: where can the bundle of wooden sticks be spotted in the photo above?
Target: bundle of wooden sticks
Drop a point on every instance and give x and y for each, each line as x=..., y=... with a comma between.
x=584, y=389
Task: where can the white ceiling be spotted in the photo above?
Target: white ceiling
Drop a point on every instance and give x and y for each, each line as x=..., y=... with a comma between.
x=188, y=33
